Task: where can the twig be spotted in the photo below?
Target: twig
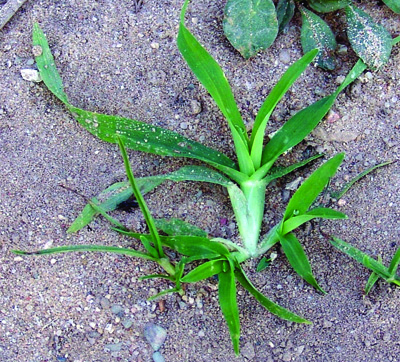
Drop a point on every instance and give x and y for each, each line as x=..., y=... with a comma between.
x=8, y=10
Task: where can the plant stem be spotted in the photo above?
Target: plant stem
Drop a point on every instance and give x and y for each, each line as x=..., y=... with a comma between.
x=167, y=266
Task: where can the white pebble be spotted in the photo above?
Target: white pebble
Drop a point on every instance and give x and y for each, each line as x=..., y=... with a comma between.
x=31, y=75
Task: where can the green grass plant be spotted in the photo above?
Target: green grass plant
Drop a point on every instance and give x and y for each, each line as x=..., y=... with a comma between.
x=245, y=179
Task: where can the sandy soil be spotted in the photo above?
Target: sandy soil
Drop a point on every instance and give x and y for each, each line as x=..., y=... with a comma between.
x=92, y=307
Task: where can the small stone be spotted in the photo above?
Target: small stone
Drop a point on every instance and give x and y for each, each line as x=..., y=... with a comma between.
x=341, y=202
x=340, y=79
x=184, y=125
x=37, y=50
x=127, y=323
x=327, y=324
x=155, y=335
x=342, y=49
x=53, y=261
x=105, y=303
x=117, y=310
x=201, y=333
x=113, y=347
x=287, y=357
x=18, y=258
x=157, y=357
x=195, y=107
x=248, y=351
x=284, y=56
x=386, y=337
x=294, y=184
x=155, y=45
x=31, y=75
x=332, y=116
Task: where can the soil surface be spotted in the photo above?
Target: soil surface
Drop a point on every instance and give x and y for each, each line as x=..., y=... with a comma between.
x=93, y=307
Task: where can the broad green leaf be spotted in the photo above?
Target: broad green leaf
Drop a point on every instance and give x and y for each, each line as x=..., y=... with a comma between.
x=187, y=245
x=139, y=136
x=175, y=226
x=210, y=74
x=97, y=248
x=298, y=259
x=323, y=213
x=46, y=65
x=370, y=40
x=277, y=172
x=373, y=278
x=394, y=264
x=284, y=11
x=337, y=195
x=316, y=34
x=394, y=5
x=228, y=303
x=312, y=187
x=204, y=271
x=327, y=6
x=250, y=25
x=155, y=237
x=265, y=302
x=280, y=89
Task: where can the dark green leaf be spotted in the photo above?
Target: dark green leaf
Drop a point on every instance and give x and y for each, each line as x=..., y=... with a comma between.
x=175, y=226
x=263, y=264
x=347, y=186
x=298, y=259
x=210, y=74
x=250, y=25
x=228, y=303
x=370, y=40
x=204, y=271
x=316, y=34
x=327, y=6
x=260, y=123
x=284, y=11
x=312, y=187
x=46, y=65
x=394, y=5
x=265, y=302
x=277, y=172
x=323, y=213
x=97, y=248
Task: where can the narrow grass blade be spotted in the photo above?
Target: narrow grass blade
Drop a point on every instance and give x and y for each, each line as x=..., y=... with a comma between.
x=155, y=238
x=298, y=259
x=96, y=248
x=323, y=213
x=263, y=264
x=394, y=5
x=188, y=245
x=46, y=65
x=277, y=172
x=361, y=257
x=204, y=271
x=228, y=303
x=373, y=278
x=164, y=292
x=394, y=264
x=158, y=276
x=272, y=307
x=147, y=245
x=109, y=218
x=339, y=194
x=210, y=74
x=280, y=89
x=296, y=129
x=175, y=226
x=312, y=187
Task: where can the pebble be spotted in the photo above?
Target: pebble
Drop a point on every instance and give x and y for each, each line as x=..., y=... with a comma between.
x=105, y=303
x=113, y=347
x=155, y=45
x=127, y=323
x=157, y=357
x=294, y=184
x=284, y=56
x=195, y=107
x=248, y=351
x=184, y=125
x=31, y=75
x=117, y=310
x=37, y=50
x=155, y=335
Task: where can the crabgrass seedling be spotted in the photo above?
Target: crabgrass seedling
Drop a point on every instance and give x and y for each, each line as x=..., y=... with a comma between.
x=245, y=179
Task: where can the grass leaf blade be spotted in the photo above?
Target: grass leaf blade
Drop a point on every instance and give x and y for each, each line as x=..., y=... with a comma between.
x=312, y=187
x=203, y=271
x=298, y=259
x=280, y=89
x=373, y=278
x=394, y=264
x=265, y=302
x=228, y=303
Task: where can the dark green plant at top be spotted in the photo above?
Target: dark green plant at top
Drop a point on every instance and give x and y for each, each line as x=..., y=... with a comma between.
x=253, y=25
x=246, y=180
